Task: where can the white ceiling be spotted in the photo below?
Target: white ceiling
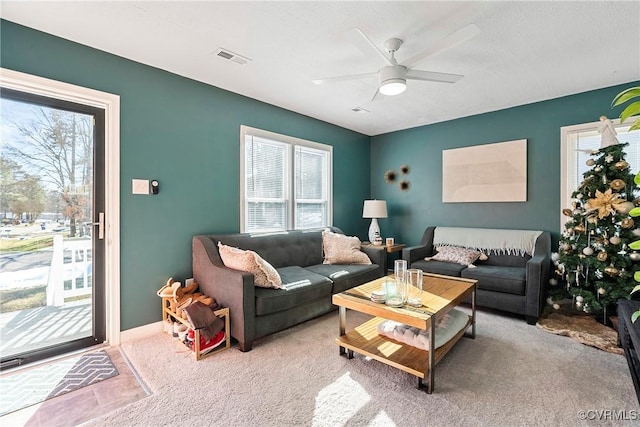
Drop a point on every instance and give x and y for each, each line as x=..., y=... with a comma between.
x=527, y=51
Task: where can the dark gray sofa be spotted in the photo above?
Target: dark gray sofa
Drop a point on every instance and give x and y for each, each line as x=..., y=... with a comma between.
x=509, y=280
x=297, y=256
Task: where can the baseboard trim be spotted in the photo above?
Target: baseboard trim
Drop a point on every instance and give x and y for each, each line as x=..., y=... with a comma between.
x=141, y=332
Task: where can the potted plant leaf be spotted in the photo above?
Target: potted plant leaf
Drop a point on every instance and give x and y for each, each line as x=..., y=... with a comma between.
x=633, y=109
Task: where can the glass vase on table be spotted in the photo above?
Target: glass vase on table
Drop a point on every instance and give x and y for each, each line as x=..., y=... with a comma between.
x=399, y=297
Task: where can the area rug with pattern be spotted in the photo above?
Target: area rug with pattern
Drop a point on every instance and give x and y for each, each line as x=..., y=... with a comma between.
x=31, y=386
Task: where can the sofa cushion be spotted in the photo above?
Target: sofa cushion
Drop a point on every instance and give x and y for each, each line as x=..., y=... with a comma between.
x=341, y=249
x=456, y=254
x=439, y=267
x=510, y=280
x=299, y=286
x=264, y=274
x=346, y=276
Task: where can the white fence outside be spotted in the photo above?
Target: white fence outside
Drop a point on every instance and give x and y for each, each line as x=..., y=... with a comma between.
x=70, y=271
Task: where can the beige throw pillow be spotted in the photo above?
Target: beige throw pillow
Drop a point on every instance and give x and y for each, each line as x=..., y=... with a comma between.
x=341, y=249
x=264, y=274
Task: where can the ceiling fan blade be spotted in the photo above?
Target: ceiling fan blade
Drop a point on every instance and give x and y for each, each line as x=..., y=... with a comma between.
x=432, y=76
x=448, y=42
x=366, y=46
x=373, y=98
x=343, y=78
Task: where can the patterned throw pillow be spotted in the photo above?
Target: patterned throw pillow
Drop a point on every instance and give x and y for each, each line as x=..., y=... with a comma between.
x=456, y=254
x=264, y=274
x=341, y=249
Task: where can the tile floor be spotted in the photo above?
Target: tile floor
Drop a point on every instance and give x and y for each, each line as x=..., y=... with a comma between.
x=84, y=404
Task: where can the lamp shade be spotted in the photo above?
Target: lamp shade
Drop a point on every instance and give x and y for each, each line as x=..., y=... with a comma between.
x=374, y=209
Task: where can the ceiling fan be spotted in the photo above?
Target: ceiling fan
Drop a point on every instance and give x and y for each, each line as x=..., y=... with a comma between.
x=392, y=78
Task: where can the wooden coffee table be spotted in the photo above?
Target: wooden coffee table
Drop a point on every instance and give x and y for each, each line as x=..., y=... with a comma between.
x=440, y=295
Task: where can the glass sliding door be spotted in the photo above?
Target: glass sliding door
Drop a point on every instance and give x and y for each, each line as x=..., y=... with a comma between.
x=51, y=227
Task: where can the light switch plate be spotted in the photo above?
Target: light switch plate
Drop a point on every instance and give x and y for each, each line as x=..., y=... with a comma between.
x=140, y=186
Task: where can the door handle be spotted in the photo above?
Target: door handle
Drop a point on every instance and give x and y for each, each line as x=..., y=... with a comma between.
x=100, y=225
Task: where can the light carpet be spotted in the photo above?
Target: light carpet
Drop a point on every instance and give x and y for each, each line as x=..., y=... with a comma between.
x=511, y=374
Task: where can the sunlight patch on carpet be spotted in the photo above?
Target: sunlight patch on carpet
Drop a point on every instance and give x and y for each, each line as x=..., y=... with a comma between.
x=344, y=393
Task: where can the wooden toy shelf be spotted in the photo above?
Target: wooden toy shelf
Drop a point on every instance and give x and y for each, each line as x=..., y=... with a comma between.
x=223, y=312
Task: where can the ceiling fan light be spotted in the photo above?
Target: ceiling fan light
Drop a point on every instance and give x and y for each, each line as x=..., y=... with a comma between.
x=392, y=87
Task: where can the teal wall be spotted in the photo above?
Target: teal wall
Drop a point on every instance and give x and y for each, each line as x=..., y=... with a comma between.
x=186, y=135
x=421, y=148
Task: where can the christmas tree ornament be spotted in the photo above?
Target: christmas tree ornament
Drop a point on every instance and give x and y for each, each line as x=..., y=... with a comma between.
x=604, y=203
x=621, y=165
x=578, y=304
x=615, y=240
x=602, y=256
x=591, y=162
x=624, y=207
x=550, y=301
x=556, y=306
x=611, y=270
x=627, y=223
x=555, y=256
x=553, y=281
x=579, y=228
x=567, y=212
x=588, y=251
x=602, y=291
x=617, y=184
x=598, y=169
x=609, y=158
x=636, y=232
x=579, y=298
x=634, y=256
x=579, y=196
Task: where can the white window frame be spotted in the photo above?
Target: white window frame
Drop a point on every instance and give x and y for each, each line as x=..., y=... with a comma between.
x=291, y=142
x=111, y=104
x=568, y=159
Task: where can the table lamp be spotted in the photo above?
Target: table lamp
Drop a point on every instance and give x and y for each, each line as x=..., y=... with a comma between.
x=374, y=209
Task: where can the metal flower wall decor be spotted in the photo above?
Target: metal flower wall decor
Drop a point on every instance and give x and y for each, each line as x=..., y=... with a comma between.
x=391, y=176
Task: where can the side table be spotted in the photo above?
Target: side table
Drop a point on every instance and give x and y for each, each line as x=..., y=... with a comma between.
x=223, y=312
x=396, y=247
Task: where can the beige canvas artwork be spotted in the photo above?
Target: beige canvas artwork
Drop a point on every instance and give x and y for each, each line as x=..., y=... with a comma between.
x=485, y=173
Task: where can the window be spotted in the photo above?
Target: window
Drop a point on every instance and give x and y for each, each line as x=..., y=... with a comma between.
x=577, y=142
x=285, y=182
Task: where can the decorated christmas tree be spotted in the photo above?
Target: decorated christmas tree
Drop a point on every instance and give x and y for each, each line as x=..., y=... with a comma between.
x=594, y=264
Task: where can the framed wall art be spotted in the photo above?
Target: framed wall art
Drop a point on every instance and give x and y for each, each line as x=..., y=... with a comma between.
x=485, y=173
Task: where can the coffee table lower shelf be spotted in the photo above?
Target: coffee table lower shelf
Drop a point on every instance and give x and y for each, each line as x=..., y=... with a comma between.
x=365, y=340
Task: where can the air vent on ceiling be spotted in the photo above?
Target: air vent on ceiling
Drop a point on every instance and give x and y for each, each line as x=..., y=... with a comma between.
x=227, y=54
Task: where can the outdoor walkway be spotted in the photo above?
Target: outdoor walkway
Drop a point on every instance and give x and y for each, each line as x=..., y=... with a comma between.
x=26, y=330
